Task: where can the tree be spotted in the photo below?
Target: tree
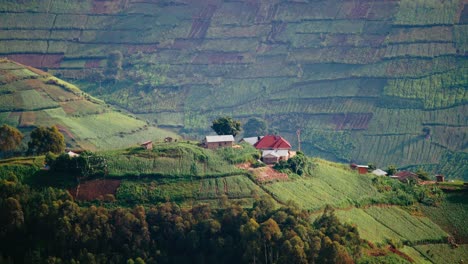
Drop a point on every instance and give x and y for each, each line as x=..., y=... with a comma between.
x=45, y=139
x=255, y=127
x=391, y=170
x=422, y=174
x=10, y=138
x=114, y=65
x=226, y=126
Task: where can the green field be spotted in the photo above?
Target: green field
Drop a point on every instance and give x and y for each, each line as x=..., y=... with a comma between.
x=170, y=160
x=31, y=98
x=186, y=191
x=444, y=253
x=330, y=183
x=380, y=225
x=379, y=72
x=451, y=215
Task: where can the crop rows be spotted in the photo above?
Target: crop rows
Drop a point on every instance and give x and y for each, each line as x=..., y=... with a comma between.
x=381, y=224
x=233, y=187
x=427, y=12
x=436, y=91
x=327, y=185
x=397, y=149
x=444, y=253
x=451, y=215
x=418, y=34
x=428, y=50
x=155, y=164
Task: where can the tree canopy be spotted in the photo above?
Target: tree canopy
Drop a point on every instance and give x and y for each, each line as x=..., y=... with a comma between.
x=10, y=138
x=255, y=127
x=226, y=126
x=45, y=139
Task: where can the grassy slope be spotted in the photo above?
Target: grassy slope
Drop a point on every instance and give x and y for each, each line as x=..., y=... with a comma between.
x=166, y=174
x=361, y=79
x=32, y=98
x=451, y=215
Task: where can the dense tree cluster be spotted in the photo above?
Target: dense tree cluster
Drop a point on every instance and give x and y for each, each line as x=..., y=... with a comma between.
x=10, y=138
x=45, y=139
x=255, y=127
x=47, y=226
x=299, y=164
x=226, y=126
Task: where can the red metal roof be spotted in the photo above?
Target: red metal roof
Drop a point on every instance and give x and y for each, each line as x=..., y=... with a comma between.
x=272, y=142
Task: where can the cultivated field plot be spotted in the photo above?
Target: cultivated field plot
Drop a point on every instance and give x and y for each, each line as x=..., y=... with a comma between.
x=95, y=189
x=329, y=184
x=185, y=190
x=294, y=60
x=444, y=253
x=169, y=160
x=378, y=225
x=233, y=187
x=451, y=215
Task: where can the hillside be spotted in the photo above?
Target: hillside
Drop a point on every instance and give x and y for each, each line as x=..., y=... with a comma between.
x=361, y=79
x=30, y=97
x=385, y=211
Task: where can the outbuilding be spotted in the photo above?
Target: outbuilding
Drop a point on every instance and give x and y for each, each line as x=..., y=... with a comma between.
x=214, y=142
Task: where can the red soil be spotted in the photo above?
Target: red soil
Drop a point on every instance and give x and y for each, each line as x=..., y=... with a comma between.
x=92, y=64
x=218, y=58
x=38, y=60
x=95, y=189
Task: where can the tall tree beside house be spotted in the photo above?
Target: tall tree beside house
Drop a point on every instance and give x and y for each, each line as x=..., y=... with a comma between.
x=45, y=139
x=226, y=126
x=10, y=138
x=255, y=127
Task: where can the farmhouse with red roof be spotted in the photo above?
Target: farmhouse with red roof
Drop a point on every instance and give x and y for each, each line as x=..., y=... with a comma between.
x=272, y=142
x=274, y=148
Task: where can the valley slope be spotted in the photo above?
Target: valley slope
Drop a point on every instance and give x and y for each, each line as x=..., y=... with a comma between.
x=365, y=81
x=30, y=97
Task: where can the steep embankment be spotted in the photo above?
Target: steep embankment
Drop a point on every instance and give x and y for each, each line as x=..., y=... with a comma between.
x=368, y=80
x=30, y=97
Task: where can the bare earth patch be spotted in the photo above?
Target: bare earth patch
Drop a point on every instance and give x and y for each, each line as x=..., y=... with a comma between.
x=264, y=174
x=95, y=189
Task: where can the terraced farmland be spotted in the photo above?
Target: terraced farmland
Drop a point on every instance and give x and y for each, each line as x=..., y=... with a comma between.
x=367, y=74
x=379, y=225
x=30, y=98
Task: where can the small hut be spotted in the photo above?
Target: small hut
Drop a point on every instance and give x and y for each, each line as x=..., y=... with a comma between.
x=440, y=178
x=147, y=145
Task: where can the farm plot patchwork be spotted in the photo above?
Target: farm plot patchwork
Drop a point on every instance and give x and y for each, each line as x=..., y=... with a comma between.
x=379, y=225
x=444, y=253
x=451, y=215
x=184, y=190
x=170, y=160
x=328, y=185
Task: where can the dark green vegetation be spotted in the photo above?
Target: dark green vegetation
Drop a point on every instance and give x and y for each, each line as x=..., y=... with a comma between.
x=46, y=139
x=226, y=126
x=217, y=212
x=47, y=226
x=30, y=98
x=10, y=138
x=367, y=81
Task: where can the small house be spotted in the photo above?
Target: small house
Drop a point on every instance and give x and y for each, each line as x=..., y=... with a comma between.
x=214, y=142
x=379, y=172
x=440, y=178
x=251, y=140
x=72, y=154
x=405, y=176
x=362, y=169
x=273, y=156
x=147, y=145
